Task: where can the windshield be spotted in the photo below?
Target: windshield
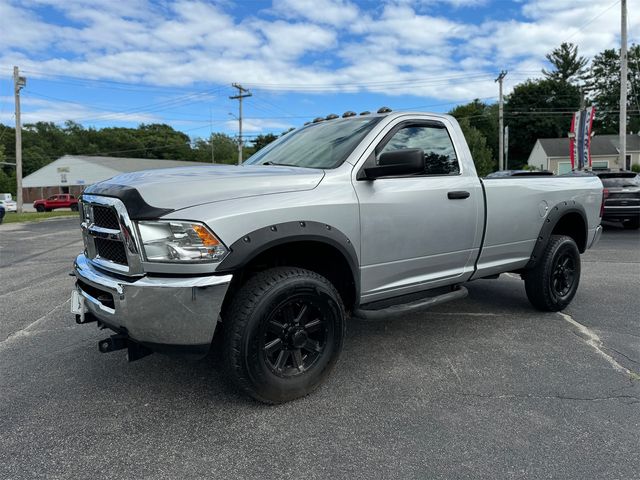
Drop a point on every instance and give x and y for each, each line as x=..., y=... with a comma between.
x=323, y=145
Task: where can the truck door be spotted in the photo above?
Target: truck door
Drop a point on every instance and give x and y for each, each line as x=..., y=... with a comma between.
x=419, y=231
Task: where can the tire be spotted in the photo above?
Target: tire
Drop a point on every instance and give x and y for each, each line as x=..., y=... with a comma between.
x=74, y=207
x=40, y=208
x=632, y=224
x=553, y=282
x=283, y=334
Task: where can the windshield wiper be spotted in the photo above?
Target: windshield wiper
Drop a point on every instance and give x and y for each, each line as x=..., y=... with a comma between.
x=281, y=164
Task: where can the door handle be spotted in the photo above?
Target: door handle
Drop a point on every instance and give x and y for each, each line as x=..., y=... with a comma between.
x=458, y=195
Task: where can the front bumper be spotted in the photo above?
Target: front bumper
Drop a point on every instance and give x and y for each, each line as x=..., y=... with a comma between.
x=163, y=313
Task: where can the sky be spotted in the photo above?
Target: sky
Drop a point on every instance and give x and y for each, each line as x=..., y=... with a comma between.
x=122, y=63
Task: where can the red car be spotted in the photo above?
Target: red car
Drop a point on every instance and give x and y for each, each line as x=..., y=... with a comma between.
x=62, y=200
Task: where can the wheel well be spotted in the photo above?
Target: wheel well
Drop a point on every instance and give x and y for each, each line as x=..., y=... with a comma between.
x=573, y=225
x=316, y=256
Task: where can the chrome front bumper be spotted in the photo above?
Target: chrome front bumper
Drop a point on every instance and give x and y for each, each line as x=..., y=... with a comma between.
x=161, y=312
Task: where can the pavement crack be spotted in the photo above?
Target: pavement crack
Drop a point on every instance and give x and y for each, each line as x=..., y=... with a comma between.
x=455, y=372
x=593, y=340
x=623, y=355
x=29, y=329
x=550, y=397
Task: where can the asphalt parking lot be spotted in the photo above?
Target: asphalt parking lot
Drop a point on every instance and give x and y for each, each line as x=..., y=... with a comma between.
x=482, y=388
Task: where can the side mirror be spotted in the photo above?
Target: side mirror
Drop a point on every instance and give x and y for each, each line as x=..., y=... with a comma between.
x=398, y=162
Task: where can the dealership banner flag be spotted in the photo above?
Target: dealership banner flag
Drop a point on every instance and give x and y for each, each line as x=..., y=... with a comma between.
x=580, y=138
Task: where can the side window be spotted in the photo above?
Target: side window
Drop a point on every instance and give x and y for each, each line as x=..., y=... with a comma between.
x=440, y=156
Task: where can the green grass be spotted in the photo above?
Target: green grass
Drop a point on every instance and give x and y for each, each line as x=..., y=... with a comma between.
x=12, y=217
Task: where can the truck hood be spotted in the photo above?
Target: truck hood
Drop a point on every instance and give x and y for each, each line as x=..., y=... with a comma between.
x=181, y=187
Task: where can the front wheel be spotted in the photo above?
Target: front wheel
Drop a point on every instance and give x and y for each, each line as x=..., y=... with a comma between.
x=283, y=334
x=553, y=282
x=40, y=208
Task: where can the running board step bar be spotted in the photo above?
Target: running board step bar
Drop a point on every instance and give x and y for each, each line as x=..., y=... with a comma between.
x=411, y=307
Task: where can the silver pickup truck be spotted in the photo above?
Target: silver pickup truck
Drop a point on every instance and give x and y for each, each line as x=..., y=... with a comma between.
x=369, y=216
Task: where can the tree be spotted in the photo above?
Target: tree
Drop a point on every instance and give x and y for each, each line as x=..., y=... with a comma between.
x=262, y=141
x=484, y=118
x=7, y=181
x=538, y=109
x=225, y=149
x=568, y=66
x=604, y=90
x=481, y=153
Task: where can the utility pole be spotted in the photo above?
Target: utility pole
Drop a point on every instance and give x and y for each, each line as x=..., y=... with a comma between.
x=623, y=85
x=503, y=74
x=18, y=83
x=242, y=93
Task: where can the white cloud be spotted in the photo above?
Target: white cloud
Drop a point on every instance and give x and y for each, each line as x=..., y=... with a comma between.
x=332, y=12
x=395, y=48
x=42, y=110
x=290, y=40
x=255, y=125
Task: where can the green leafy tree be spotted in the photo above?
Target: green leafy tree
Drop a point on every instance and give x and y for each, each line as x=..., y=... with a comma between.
x=225, y=149
x=538, y=109
x=481, y=153
x=7, y=180
x=262, y=141
x=484, y=118
x=567, y=65
x=604, y=90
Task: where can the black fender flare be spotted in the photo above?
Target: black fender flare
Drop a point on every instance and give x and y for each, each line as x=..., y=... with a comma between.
x=252, y=244
x=556, y=213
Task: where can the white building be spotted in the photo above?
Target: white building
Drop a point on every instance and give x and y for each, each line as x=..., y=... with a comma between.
x=553, y=153
x=72, y=173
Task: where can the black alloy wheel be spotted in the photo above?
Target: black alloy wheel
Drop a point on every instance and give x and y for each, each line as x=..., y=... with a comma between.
x=283, y=333
x=295, y=336
x=564, y=274
x=552, y=283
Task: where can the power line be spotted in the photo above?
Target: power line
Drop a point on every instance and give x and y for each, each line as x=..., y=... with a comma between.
x=590, y=21
x=242, y=93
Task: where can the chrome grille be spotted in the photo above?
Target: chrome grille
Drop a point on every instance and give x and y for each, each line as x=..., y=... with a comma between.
x=111, y=250
x=105, y=217
x=109, y=236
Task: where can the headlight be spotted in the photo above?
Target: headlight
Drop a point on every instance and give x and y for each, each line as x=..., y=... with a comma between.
x=180, y=242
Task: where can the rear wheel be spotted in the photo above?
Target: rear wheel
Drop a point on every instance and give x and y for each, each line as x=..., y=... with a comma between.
x=40, y=208
x=283, y=334
x=74, y=207
x=553, y=282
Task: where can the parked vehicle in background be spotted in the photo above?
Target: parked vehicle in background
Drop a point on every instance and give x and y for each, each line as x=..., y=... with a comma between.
x=622, y=204
x=370, y=216
x=7, y=202
x=62, y=200
x=9, y=205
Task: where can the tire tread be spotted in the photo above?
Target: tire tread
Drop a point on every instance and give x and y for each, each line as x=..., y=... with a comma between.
x=239, y=314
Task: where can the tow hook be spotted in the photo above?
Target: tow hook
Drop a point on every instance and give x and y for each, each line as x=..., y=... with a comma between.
x=135, y=351
x=113, y=343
